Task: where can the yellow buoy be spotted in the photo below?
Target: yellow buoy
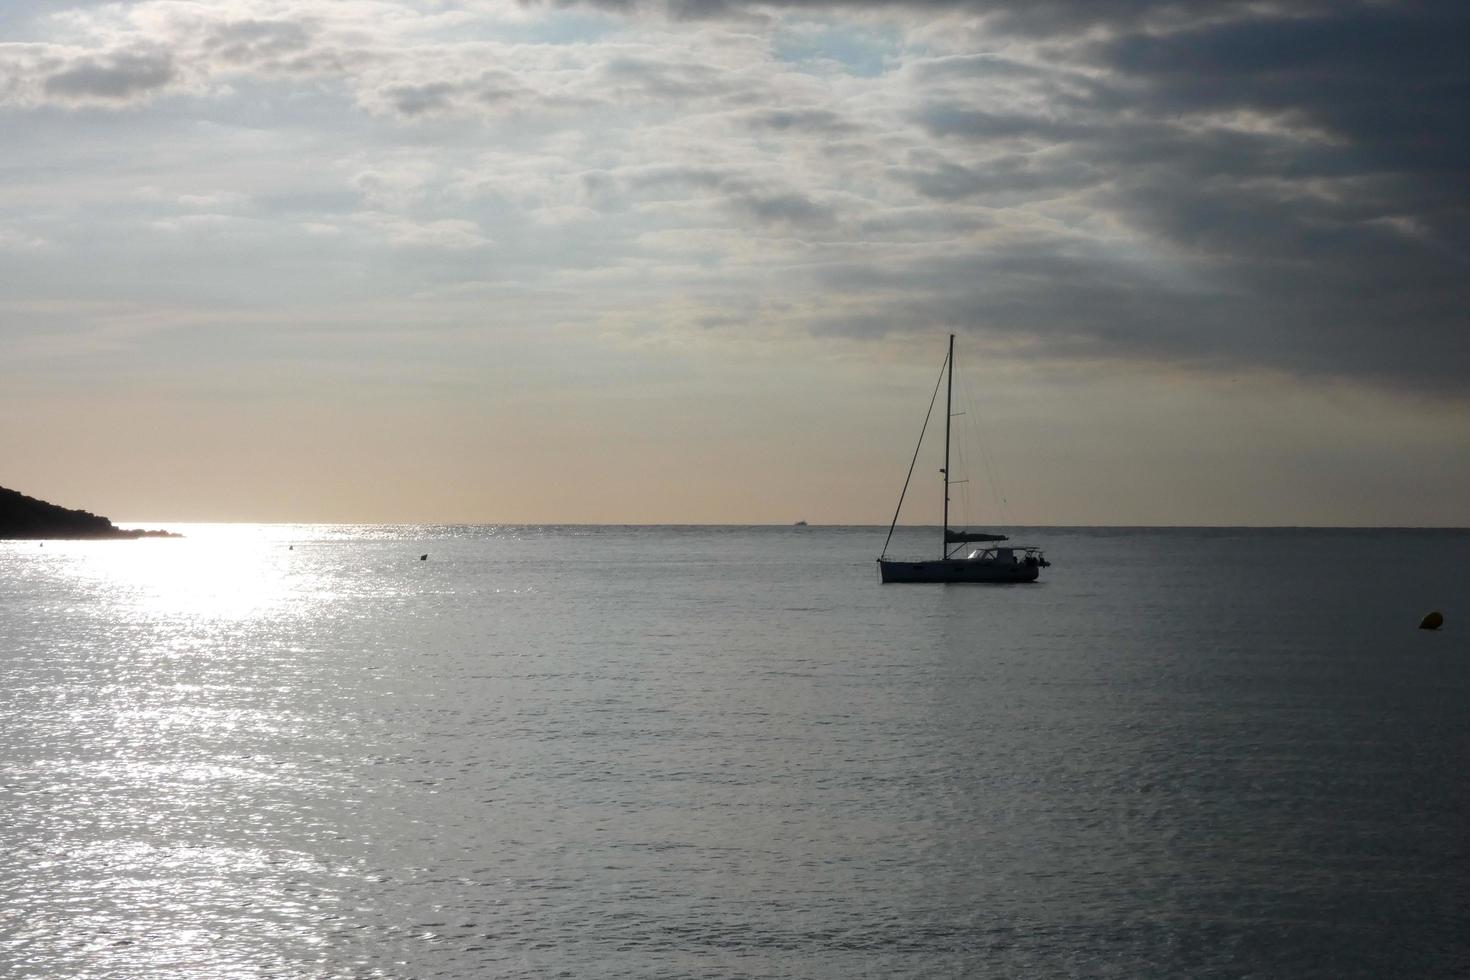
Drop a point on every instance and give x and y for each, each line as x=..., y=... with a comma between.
x=1433, y=621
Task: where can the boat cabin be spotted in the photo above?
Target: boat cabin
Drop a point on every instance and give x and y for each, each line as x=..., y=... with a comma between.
x=1014, y=555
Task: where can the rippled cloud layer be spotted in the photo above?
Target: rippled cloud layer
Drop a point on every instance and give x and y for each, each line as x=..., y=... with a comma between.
x=362, y=191
x=1278, y=185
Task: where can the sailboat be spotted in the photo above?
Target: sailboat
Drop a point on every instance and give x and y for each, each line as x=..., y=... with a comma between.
x=994, y=563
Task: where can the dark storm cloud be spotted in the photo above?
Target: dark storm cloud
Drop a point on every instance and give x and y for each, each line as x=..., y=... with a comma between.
x=1389, y=85
x=1293, y=179
x=1290, y=179
x=1393, y=82
x=1351, y=252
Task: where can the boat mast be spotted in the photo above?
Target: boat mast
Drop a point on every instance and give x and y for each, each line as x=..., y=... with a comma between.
x=948, y=415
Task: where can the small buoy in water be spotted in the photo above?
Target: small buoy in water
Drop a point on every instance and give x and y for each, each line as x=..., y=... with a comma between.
x=423, y=557
x=1433, y=621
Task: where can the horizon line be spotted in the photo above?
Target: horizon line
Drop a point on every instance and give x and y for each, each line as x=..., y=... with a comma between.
x=814, y=524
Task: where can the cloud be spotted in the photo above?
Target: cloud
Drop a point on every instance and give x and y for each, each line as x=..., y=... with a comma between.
x=1268, y=184
x=662, y=78
x=443, y=233
x=811, y=121
x=1276, y=186
x=119, y=77
x=414, y=100
x=490, y=90
x=254, y=42
x=16, y=240
x=782, y=208
x=764, y=201
x=37, y=73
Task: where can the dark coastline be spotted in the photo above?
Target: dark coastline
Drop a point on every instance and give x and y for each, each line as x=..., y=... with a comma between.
x=28, y=519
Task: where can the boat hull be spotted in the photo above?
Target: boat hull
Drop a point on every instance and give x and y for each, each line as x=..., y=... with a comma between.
x=956, y=570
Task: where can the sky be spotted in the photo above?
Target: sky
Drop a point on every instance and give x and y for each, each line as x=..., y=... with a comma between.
x=696, y=261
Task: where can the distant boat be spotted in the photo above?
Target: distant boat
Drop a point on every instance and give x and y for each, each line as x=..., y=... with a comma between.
x=799, y=524
x=1014, y=563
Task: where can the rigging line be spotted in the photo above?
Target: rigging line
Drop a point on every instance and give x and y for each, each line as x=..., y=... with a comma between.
x=965, y=440
x=966, y=463
x=963, y=455
x=960, y=450
x=987, y=456
x=993, y=469
x=932, y=398
x=970, y=508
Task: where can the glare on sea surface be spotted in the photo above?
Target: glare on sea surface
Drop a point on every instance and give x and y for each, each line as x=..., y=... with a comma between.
x=216, y=571
x=157, y=802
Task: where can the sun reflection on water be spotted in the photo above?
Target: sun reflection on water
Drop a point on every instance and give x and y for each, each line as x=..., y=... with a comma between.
x=166, y=709
x=215, y=572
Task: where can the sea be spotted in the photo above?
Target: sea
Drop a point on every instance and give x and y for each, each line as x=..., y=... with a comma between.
x=641, y=752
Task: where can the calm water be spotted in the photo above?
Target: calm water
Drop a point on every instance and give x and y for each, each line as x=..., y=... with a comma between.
x=730, y=752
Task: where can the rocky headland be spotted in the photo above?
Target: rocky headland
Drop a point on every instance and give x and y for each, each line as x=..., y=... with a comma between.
x=28, y=518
